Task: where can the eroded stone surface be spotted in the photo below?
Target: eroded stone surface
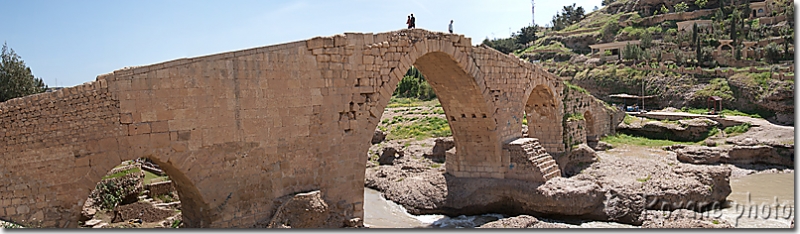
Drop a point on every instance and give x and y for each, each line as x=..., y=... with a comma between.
x=522, y=221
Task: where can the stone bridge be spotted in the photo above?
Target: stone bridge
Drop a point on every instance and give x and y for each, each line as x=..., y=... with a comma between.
x=237, y=130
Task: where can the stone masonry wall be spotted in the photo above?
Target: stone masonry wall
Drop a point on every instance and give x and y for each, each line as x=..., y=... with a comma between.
x=160, y=188
x=598, y=119
x=48, y=142
x=576, y=132
x=236, y=130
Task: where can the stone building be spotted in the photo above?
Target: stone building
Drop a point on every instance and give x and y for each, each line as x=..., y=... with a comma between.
x=599, y=50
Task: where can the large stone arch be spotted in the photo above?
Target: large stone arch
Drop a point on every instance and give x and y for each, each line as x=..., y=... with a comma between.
x=238, y=130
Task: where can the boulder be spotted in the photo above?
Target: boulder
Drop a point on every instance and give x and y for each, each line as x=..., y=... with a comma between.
x=389, y=154
x=101, y=225
x=686, y=130
x=92, y=222
x=403, y=183
x=576, y=59
x=439, y=152
x=739, y=154
x=303, y=210
x=594, y=61
x=522, y=221
x=576, y=160
x=761, y=154
x=558, y=196
x=602, y=146
x=378, y=136
x=699, y=154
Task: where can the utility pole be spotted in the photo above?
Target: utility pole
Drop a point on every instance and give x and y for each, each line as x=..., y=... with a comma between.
x=533, y=16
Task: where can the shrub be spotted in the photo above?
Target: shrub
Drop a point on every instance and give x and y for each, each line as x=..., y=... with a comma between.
x=681, y=7
x=773, y=53
x=742, y=128
x=629, y=119
x=672, y=31
x=714, y=131
x=110, y=194
x=414, y=87
x=701, y=3
x=575, y=87
x=610, y=30
x=574, y=117
x=716, y=87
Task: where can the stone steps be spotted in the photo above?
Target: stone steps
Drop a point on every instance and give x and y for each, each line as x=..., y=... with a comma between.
x=552, y=174
x=535, y=154
x=544, y=161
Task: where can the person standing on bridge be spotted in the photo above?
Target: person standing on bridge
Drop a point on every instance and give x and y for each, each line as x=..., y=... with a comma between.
x=408, y=22
x=450, y=28
x=413, y=21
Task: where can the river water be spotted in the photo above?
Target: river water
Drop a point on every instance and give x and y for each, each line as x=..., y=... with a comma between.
x=753, y=192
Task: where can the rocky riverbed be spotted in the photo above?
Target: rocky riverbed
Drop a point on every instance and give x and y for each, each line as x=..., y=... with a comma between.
x=624, y=184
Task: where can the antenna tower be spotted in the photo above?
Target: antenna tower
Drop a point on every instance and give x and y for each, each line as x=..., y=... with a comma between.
x=533, y=18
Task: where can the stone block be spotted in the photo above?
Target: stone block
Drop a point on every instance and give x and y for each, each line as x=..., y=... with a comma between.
x=138, y=129
x=159, y=126
x=125, y=118
x=159, y=140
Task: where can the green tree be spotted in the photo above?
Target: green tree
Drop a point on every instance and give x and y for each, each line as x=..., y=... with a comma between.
x=525, y=35
x=610, y=30
x=414, y=72
x=632, y=52
x=719, y=16
x=414, y=85
x=646, y=40
x=607, y=2
x=16, y=79
x=787, y=38
x=734, y=19
x=504, y=45
x=681, y=7
x=701, y=3
x=664, y=9
x=568, y=15
x=773, y=53
x=697, y=49
x=737, y=53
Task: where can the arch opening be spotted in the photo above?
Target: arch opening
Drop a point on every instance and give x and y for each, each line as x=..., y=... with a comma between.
x=449, y=133
x=141, y=193
x=591, y=132
x=541, y=116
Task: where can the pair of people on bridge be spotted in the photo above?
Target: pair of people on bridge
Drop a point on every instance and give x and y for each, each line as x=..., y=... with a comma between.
x=411, y=21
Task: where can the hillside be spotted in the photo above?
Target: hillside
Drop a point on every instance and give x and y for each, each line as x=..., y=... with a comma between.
x=682, y=52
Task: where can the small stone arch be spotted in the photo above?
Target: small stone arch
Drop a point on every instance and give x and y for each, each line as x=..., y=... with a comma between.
x=591, y=127
x=544, y=118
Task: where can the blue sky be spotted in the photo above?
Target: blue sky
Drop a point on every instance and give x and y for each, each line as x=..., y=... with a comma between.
x=73, y=41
